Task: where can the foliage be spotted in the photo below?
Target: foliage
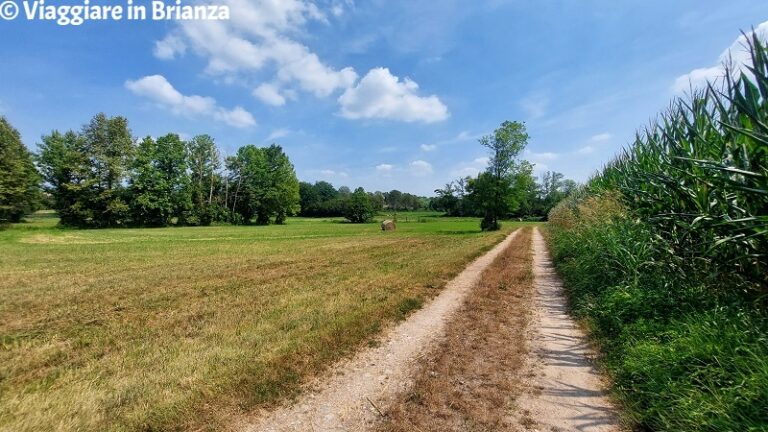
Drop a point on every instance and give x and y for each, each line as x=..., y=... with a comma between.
x=19, y=180
x=204, y=182
x=265, y=184
x=322, y=199
x=492, y=190
x=160, y=186
x=85, y=172
x=358, y=208
x=664, y=255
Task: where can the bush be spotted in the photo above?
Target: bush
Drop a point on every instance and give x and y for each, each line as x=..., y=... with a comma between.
x=358, y=208
x=685, y=352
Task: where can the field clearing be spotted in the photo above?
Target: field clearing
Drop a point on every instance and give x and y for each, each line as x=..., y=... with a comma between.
x=175, y=328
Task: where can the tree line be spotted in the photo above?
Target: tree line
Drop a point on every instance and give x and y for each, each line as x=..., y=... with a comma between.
x=101, y=176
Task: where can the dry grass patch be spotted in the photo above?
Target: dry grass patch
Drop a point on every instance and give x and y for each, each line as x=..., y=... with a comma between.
x=162, y=329
x=468, y=382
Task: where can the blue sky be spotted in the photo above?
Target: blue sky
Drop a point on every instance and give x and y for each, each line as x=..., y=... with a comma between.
x=380, y=93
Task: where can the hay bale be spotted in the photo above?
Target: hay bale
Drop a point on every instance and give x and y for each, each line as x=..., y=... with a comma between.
x=388, y=225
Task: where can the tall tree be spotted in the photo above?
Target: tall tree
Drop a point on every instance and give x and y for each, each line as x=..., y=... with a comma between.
x=281, y=195
x=19, y=180
x=150, y=203
x=108, y=148
x=204, y=163
x=265, y=184
x=160, y=189
x=65, y=166
x=504, y=145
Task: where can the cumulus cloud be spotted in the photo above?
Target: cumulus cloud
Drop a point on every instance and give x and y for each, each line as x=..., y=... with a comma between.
x=269, y=94
x=157, y=89
x=263, y=37
x=428, y=147
x=381, y=95
x=384, y=168
x=260, y=33
x=736, y=55
x=170, y=47
x=588, y=149
x=420, y=168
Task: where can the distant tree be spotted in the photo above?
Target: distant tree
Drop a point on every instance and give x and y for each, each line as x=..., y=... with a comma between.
x=19, y=180
x=492, y=188
x=63, y=162
x=447, y=200
x=110, y=147
x=344, y=190
x=265, y=184
x=204, y=163
x=359, y=208
x=393, y=200
x=377, y=201
x=281, y=197
x=525, y=190
x=160, y=185
x=86, y=172
x=150, y=198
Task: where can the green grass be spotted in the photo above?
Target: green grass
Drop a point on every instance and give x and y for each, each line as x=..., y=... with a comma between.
x=179, y=328
x=665, y=257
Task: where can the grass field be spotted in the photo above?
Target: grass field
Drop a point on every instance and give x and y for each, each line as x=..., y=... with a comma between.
x=178, y=328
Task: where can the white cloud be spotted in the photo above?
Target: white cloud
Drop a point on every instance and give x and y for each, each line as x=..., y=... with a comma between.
x=170, y=47
x=545, y=156
x=381, y=95
x=332, y=173
x=428, y=147
x=421, y=168
x=278, y=133
x=736, y=54
x=535, y=106
x=605, y=136
x=237, y=117
x=384, y=168
x=260, y=34
x=269, y=94
x=482, y=160
x=586, y=150
x=157, y=89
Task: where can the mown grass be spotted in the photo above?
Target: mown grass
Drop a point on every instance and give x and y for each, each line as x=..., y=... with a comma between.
x=178, y=328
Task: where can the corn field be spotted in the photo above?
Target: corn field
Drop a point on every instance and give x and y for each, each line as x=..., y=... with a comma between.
x=700, y=173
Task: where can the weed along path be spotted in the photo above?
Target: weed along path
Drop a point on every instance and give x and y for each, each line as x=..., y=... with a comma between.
x=565, y=391
x=355, y=394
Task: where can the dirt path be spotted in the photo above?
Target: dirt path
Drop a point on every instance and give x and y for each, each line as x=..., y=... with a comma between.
x=470, y=379
x=355, y=394
x=566, y=392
